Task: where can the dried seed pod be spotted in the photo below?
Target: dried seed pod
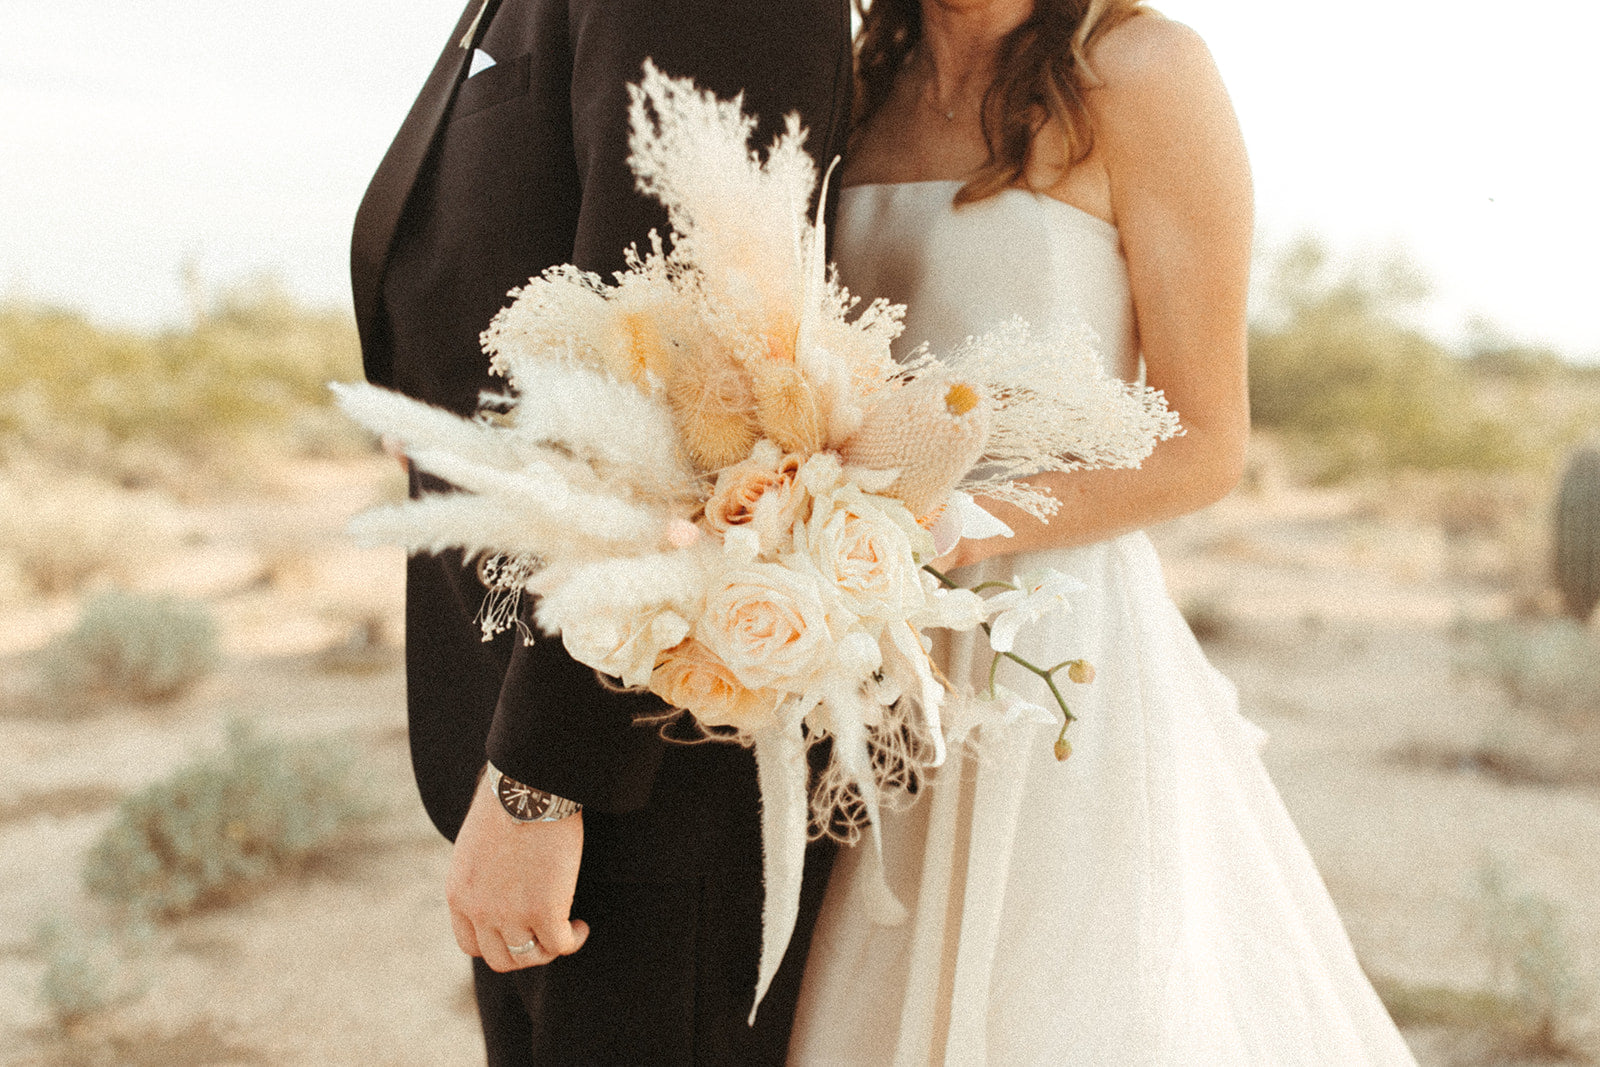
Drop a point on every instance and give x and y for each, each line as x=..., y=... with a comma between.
x=787, y=409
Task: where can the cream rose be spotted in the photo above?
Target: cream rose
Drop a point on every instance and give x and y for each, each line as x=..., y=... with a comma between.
x=769, y=624
x=691, y=676
x=762, y=491
x=867, y=556
x=625, y=647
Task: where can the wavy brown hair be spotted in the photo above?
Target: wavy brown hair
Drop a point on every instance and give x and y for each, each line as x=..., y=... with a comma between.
x=1040, y=77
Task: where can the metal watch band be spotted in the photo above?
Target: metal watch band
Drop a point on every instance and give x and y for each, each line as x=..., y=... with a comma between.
x=527, y=804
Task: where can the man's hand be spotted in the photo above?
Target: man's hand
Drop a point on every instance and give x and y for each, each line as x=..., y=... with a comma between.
x=511, y=884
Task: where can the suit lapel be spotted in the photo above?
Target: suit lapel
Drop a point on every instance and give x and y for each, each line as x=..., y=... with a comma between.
x=385, y=200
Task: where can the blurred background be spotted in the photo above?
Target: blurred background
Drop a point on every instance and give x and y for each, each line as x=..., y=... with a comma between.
x=210, y=849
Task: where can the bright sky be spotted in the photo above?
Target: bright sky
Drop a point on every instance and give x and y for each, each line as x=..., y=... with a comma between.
x=137, y=135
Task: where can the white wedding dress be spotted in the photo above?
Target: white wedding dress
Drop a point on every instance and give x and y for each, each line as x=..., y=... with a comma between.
x=1146, y=902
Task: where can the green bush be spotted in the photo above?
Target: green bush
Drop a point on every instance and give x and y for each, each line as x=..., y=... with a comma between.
x=252, y=361
x=1532, y=959
x=226, y=822
x=1336, y=366
x=133, y=647
x=85, y=974
x=1551, y=664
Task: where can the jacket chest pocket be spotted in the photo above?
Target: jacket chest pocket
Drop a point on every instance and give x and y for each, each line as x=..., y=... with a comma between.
x=499, y=83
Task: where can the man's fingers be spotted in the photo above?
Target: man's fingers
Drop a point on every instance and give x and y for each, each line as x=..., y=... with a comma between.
x=495, y=953
x=561, y=937
x=466, y=938
x=534, y=954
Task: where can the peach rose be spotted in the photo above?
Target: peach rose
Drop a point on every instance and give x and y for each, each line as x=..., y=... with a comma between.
x=769, y=624
x=762, y=491
x=691, y=676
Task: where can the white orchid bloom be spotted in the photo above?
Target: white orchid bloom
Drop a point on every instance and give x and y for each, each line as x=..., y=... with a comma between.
x=966, y=712
x=1032, y=599
x=1015, y=708
x=952, y=609
x=962, y=519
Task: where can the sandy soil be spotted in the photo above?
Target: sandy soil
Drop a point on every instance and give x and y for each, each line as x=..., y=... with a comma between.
x=1340, y=629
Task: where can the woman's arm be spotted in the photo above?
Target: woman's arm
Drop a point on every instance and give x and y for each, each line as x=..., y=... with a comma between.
x=1181, y=198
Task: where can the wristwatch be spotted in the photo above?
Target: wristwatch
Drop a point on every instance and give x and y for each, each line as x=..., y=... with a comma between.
x=527, y=804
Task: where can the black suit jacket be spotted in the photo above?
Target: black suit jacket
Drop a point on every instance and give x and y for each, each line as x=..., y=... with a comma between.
x=491, y=180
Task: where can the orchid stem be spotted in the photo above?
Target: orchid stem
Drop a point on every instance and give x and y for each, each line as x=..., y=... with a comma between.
x=994, y=665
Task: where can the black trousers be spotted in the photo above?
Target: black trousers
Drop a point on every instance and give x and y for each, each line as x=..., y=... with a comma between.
x=638, y=991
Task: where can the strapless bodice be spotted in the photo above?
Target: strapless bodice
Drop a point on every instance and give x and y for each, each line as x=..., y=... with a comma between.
x=962, y=271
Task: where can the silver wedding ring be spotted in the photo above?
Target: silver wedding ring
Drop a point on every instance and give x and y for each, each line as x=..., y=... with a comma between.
x=522, y=950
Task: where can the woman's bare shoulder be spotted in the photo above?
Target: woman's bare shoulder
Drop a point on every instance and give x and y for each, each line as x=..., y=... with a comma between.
x=1149, y=53
x=1159, y=101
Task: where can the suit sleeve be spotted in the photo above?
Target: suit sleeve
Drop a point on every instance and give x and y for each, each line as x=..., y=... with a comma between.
x=555, y=727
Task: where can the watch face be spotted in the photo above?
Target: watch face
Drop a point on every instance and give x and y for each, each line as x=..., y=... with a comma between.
x=524, y=802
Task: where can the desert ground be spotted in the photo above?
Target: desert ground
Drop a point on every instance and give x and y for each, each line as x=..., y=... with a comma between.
x=1445, y=816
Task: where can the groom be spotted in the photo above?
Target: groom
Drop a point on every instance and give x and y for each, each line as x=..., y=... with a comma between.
x=609, y=884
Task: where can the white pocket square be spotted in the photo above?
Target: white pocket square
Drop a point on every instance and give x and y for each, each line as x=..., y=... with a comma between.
x=481, y=61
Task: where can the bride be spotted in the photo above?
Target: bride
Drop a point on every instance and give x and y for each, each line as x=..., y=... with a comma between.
x=1147, y=901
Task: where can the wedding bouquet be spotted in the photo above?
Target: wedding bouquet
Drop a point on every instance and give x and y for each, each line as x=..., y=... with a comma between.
x=722, y=488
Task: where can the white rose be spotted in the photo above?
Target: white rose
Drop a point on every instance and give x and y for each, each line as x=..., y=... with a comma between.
x=624, y=646
x=864, y=554
x=769, y=624
x=691, y=676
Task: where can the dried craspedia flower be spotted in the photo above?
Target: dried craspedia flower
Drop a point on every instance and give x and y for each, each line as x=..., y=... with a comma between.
x=1063, y=749
x=932, y=430
x=1081, y=671
x=712, y=406
x=787, y=408
x=960, y=398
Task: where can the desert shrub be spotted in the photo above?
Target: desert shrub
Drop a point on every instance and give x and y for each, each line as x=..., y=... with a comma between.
x=135, y=647
x=86, y=972
x=1532, y=959
x=252, y=361
x=1336, y=366
x=226, y=822
x=1552, y=664
x=1577, y=533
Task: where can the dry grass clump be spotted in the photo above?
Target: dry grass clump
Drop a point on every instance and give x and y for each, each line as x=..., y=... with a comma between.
x=1210, y=616
x=200, y=1041
x=225, y=823
x=60, y=530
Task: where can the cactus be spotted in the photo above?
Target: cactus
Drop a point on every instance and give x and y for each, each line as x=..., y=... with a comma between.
x=1577, y=534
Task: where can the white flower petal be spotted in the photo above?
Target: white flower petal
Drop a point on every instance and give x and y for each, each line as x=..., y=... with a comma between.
x=976, y=523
